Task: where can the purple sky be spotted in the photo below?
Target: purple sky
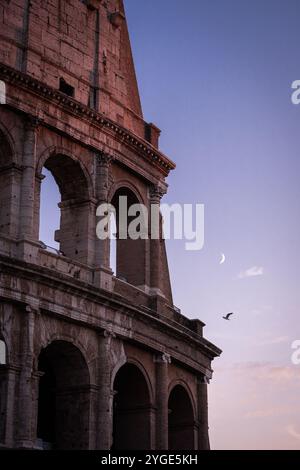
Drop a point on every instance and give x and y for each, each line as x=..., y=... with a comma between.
x=216, y=77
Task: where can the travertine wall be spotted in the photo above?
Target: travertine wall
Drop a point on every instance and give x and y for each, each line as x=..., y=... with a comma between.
x=79, y=42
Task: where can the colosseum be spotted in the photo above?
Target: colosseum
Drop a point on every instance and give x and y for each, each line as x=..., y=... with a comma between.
x=90, y=359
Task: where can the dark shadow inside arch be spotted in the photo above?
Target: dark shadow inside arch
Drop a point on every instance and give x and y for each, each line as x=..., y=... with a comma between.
x=130, y=254
x=64, y=395
x=131, y=410
x=69, y=177
x=181, y=420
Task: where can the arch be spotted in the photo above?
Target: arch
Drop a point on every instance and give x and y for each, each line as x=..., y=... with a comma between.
x=56, y=151
x=130, y=253
x=69, y=174
x=131, y=409
x=64, y=397
x=181, y=382
x=74, y=340
x=135, y=362
x=125, y=183
x=74, y=234
x=181, y=426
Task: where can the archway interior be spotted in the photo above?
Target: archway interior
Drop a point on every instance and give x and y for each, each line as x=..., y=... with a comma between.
x=64, y=204
x=64, y=393
x=128, y=255
x=49, y=210
x=181, y=420
x=132, y=410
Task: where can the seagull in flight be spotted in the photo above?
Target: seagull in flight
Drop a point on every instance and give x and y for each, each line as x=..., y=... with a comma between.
x=227, y=317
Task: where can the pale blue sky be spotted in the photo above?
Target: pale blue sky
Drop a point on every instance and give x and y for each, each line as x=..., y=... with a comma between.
x=216, y=77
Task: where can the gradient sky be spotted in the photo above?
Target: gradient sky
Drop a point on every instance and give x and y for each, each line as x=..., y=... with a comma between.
x=216, y=77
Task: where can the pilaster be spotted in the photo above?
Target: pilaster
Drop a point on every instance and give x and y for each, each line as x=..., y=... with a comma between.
x=162, y=396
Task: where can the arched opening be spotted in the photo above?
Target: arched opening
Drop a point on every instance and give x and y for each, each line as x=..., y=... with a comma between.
x=8, y=205
x=3, y=388
x=132, y=410
x=49, y=211
x=64, y=396
x=67, y=185
x=181, y=420
x=130, y=254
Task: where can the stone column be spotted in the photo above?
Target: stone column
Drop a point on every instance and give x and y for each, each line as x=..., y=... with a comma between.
x=105, y=394
x=25, y=411
x=93, y=421
x=102, y=247
x=203, y=436
x=12, y=372
x=35, y=382
x=162, y=397
x=28, y=179
x=156, y=194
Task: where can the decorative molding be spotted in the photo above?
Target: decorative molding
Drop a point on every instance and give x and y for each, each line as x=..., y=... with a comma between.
x=11, y=167
x=108, y=333
x=163, y=358
x=32, y=123
x=166, y=326
x=203, y=380
x=156, y=193
x=32, y=310
x=116, y=18
x=143, y=148
x=104, y=159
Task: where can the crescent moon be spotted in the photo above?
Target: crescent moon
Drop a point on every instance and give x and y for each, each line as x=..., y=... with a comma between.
x=223, y=258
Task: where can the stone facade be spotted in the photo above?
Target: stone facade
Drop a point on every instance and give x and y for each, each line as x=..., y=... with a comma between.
x=93, y=360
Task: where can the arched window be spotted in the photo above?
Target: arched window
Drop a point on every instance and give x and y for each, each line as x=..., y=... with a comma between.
x=130, y=254
x=70, y=229
x=49, y=212
x=181, y=420
x=132, y=410
x=64, y=397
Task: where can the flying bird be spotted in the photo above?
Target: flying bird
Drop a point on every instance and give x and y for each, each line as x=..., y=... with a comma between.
x=227, y=317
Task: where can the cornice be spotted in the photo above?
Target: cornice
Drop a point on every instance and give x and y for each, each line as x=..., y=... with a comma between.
x=74, y=287
x=143, y=148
